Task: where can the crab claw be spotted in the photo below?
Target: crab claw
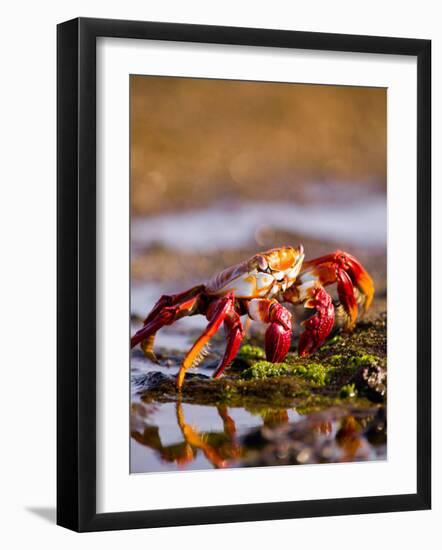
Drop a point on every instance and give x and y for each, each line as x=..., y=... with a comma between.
x=318, y=326
x=355, y=286
x=279, y=334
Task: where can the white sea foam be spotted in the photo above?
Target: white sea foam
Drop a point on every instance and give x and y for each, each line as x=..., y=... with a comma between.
x=359, y=222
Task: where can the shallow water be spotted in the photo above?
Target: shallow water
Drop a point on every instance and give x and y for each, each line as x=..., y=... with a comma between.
x=217, y=447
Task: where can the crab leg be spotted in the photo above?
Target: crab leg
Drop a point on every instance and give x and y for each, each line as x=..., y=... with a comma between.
x=234, y=333
x=193, y=438
x=230, y=431
x=354, y=284
x=166, y=311
x=228, y=422
x=279, y=333
x=216, y=314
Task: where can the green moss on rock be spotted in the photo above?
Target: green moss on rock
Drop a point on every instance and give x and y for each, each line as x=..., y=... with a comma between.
x=264, y=369
x=248, y=352
x=313, y=372
x=333, y=340
x=326, y=378
x=348, y=391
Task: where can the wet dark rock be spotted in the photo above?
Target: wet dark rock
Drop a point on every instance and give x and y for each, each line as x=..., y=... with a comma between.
x=149, y=380
x=376, y=432
x=371, y=381
x=196, y=376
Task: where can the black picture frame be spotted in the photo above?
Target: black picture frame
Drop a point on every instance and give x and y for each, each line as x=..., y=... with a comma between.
x=76, y=273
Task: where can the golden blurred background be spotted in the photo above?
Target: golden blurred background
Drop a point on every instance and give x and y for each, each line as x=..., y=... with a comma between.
x=195, y=141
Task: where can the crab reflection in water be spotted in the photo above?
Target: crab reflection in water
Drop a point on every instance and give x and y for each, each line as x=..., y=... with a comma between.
x=329, y=436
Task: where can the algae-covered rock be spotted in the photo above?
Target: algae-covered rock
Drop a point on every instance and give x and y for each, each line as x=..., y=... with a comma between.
x=349, y=366
x=314, y=372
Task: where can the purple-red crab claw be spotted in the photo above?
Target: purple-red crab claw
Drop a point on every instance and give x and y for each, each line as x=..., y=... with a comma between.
x=318, y=326
x=355, y=286
x=279, y=333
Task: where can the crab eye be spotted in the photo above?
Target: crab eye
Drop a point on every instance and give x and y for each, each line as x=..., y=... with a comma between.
x=262, y=264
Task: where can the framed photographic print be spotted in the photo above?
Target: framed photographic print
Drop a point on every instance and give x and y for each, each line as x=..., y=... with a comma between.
x=243, y=256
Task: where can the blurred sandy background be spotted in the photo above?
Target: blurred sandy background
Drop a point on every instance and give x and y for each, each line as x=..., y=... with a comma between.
x=223, y=169
x=196, y=140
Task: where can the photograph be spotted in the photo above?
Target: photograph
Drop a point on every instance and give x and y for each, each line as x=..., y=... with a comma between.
x=258, y=273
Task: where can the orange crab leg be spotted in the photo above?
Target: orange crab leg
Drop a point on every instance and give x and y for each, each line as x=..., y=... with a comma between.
x=193, y=438
x=216, y=314
x=228, y=422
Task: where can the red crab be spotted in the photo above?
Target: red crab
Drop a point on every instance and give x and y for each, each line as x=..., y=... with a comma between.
x=257, y=287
